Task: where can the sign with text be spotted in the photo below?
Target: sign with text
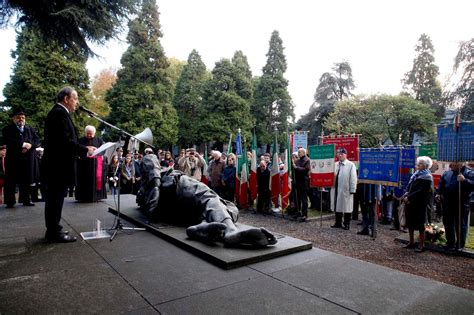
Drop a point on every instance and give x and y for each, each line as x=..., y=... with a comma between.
x=322, y=165
x=379, y=166
x=348, y=142
x=456, y=144
x=430, y=150
x=300, y=140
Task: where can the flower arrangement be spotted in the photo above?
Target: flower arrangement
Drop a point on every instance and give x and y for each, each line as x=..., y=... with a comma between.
x=434, y=233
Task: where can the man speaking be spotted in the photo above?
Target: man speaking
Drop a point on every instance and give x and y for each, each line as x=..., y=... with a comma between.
x=61, y=149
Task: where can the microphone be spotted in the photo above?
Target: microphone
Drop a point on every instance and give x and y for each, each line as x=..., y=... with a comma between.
x=87, y=111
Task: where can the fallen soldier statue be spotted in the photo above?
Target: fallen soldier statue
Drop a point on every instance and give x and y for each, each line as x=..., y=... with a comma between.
x=167, y=195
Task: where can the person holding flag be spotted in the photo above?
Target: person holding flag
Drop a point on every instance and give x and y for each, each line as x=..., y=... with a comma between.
x=302, y=168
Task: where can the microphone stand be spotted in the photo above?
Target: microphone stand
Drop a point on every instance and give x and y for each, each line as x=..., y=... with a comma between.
x=118, y=225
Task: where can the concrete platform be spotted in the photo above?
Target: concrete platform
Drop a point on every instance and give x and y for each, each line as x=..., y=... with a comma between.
x=139, y=273
x=215, y=253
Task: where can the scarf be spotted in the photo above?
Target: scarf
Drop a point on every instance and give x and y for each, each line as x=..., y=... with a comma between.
x=415, y=175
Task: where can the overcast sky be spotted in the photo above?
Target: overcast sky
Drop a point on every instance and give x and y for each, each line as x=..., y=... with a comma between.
x=376, y=37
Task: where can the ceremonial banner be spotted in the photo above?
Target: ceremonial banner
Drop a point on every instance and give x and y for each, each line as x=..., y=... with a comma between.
x=430, y=150
x=300, y=140
x=456, y=144
x=322, y=165
x=348, y=142
x=379, y=166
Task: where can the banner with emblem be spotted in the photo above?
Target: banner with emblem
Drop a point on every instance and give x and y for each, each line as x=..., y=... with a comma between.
x=379, y=166
x=322, y=165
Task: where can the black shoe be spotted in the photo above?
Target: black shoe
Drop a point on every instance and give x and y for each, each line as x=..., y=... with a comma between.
x=10, y=206
x=347, y=227
x=61, y=238
x=363, y=232
x=360, y=223
x=29, y=204
x=409, y=246
x=419, y=250
x=336, y=226
x=302, y=219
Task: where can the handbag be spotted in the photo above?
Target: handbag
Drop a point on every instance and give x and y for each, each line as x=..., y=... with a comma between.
x=401, y=214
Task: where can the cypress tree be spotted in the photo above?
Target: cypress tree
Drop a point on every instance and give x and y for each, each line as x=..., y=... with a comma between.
x=188, y=98
x=273, y=105
x=41, y=69
x=142, y=95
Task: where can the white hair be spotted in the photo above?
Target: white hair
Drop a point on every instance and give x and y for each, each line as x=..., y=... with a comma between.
x=425, y=160
x=90, y=128
x=217, y=154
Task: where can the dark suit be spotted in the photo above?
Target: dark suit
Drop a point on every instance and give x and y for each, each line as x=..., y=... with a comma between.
x=18, y=165
x=61, y=149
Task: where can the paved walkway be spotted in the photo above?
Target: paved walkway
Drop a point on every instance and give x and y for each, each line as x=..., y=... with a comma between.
x=139, y=273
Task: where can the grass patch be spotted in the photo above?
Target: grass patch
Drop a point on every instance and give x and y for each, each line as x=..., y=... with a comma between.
x=470, y=238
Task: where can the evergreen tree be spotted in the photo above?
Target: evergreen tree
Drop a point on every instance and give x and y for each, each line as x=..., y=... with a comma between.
x=224, y=110
x=70, y=23
x=273, y=105
x=333, y=86
x=380, y=118
x=142, y=95
x=464, y=91
x=188, y=99
x=420, y=82
x=41, y=69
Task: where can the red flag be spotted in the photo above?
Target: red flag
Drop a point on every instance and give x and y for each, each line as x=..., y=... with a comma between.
x=205, y=174
x=285, y=189
x=275, y=176
x=457, y=120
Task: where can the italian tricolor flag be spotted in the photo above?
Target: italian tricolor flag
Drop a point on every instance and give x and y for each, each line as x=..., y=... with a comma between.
x=322, y=165
x=275, y=176
x=253, y=170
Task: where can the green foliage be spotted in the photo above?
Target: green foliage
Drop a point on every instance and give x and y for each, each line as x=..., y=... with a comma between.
x=68, y=22
x=142, y=95
x=273, y=105
x=383, y=117
x=464, y=90
x=226, y=104
x=188, y=99
x=333, y=86
x=420, y=82
x=41, y=69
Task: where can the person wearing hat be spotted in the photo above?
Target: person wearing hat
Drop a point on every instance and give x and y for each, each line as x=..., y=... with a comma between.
x=342, y=195
x=21, y=142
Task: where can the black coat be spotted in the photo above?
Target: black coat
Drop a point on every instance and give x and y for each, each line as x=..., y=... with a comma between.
x=420, y=199
x=19, y=166
x=61, y=148
x=302, y=170
x=95, y=142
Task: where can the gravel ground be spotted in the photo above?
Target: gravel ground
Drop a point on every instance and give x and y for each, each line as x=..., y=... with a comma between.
x=384, y=250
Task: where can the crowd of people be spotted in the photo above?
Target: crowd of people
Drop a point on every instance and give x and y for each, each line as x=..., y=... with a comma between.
x=22, y=163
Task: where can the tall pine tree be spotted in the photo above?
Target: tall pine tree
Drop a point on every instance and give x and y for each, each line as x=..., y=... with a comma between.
x=273, y=105
x=188, y=98
x=420, y=82
x=142, y=95
x=226, y=105
x=41, y=69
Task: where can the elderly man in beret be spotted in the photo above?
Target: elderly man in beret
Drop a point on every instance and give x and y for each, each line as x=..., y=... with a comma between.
x=21, y=142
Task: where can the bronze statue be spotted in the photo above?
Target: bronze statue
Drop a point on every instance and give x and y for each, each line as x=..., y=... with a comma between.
x=170, y=196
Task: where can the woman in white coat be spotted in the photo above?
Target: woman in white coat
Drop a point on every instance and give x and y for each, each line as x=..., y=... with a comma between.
x=345, y=184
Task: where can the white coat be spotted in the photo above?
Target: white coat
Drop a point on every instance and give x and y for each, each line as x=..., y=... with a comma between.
x=347, y=185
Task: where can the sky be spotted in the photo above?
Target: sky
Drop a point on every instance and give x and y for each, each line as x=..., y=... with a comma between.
x=377, y=38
